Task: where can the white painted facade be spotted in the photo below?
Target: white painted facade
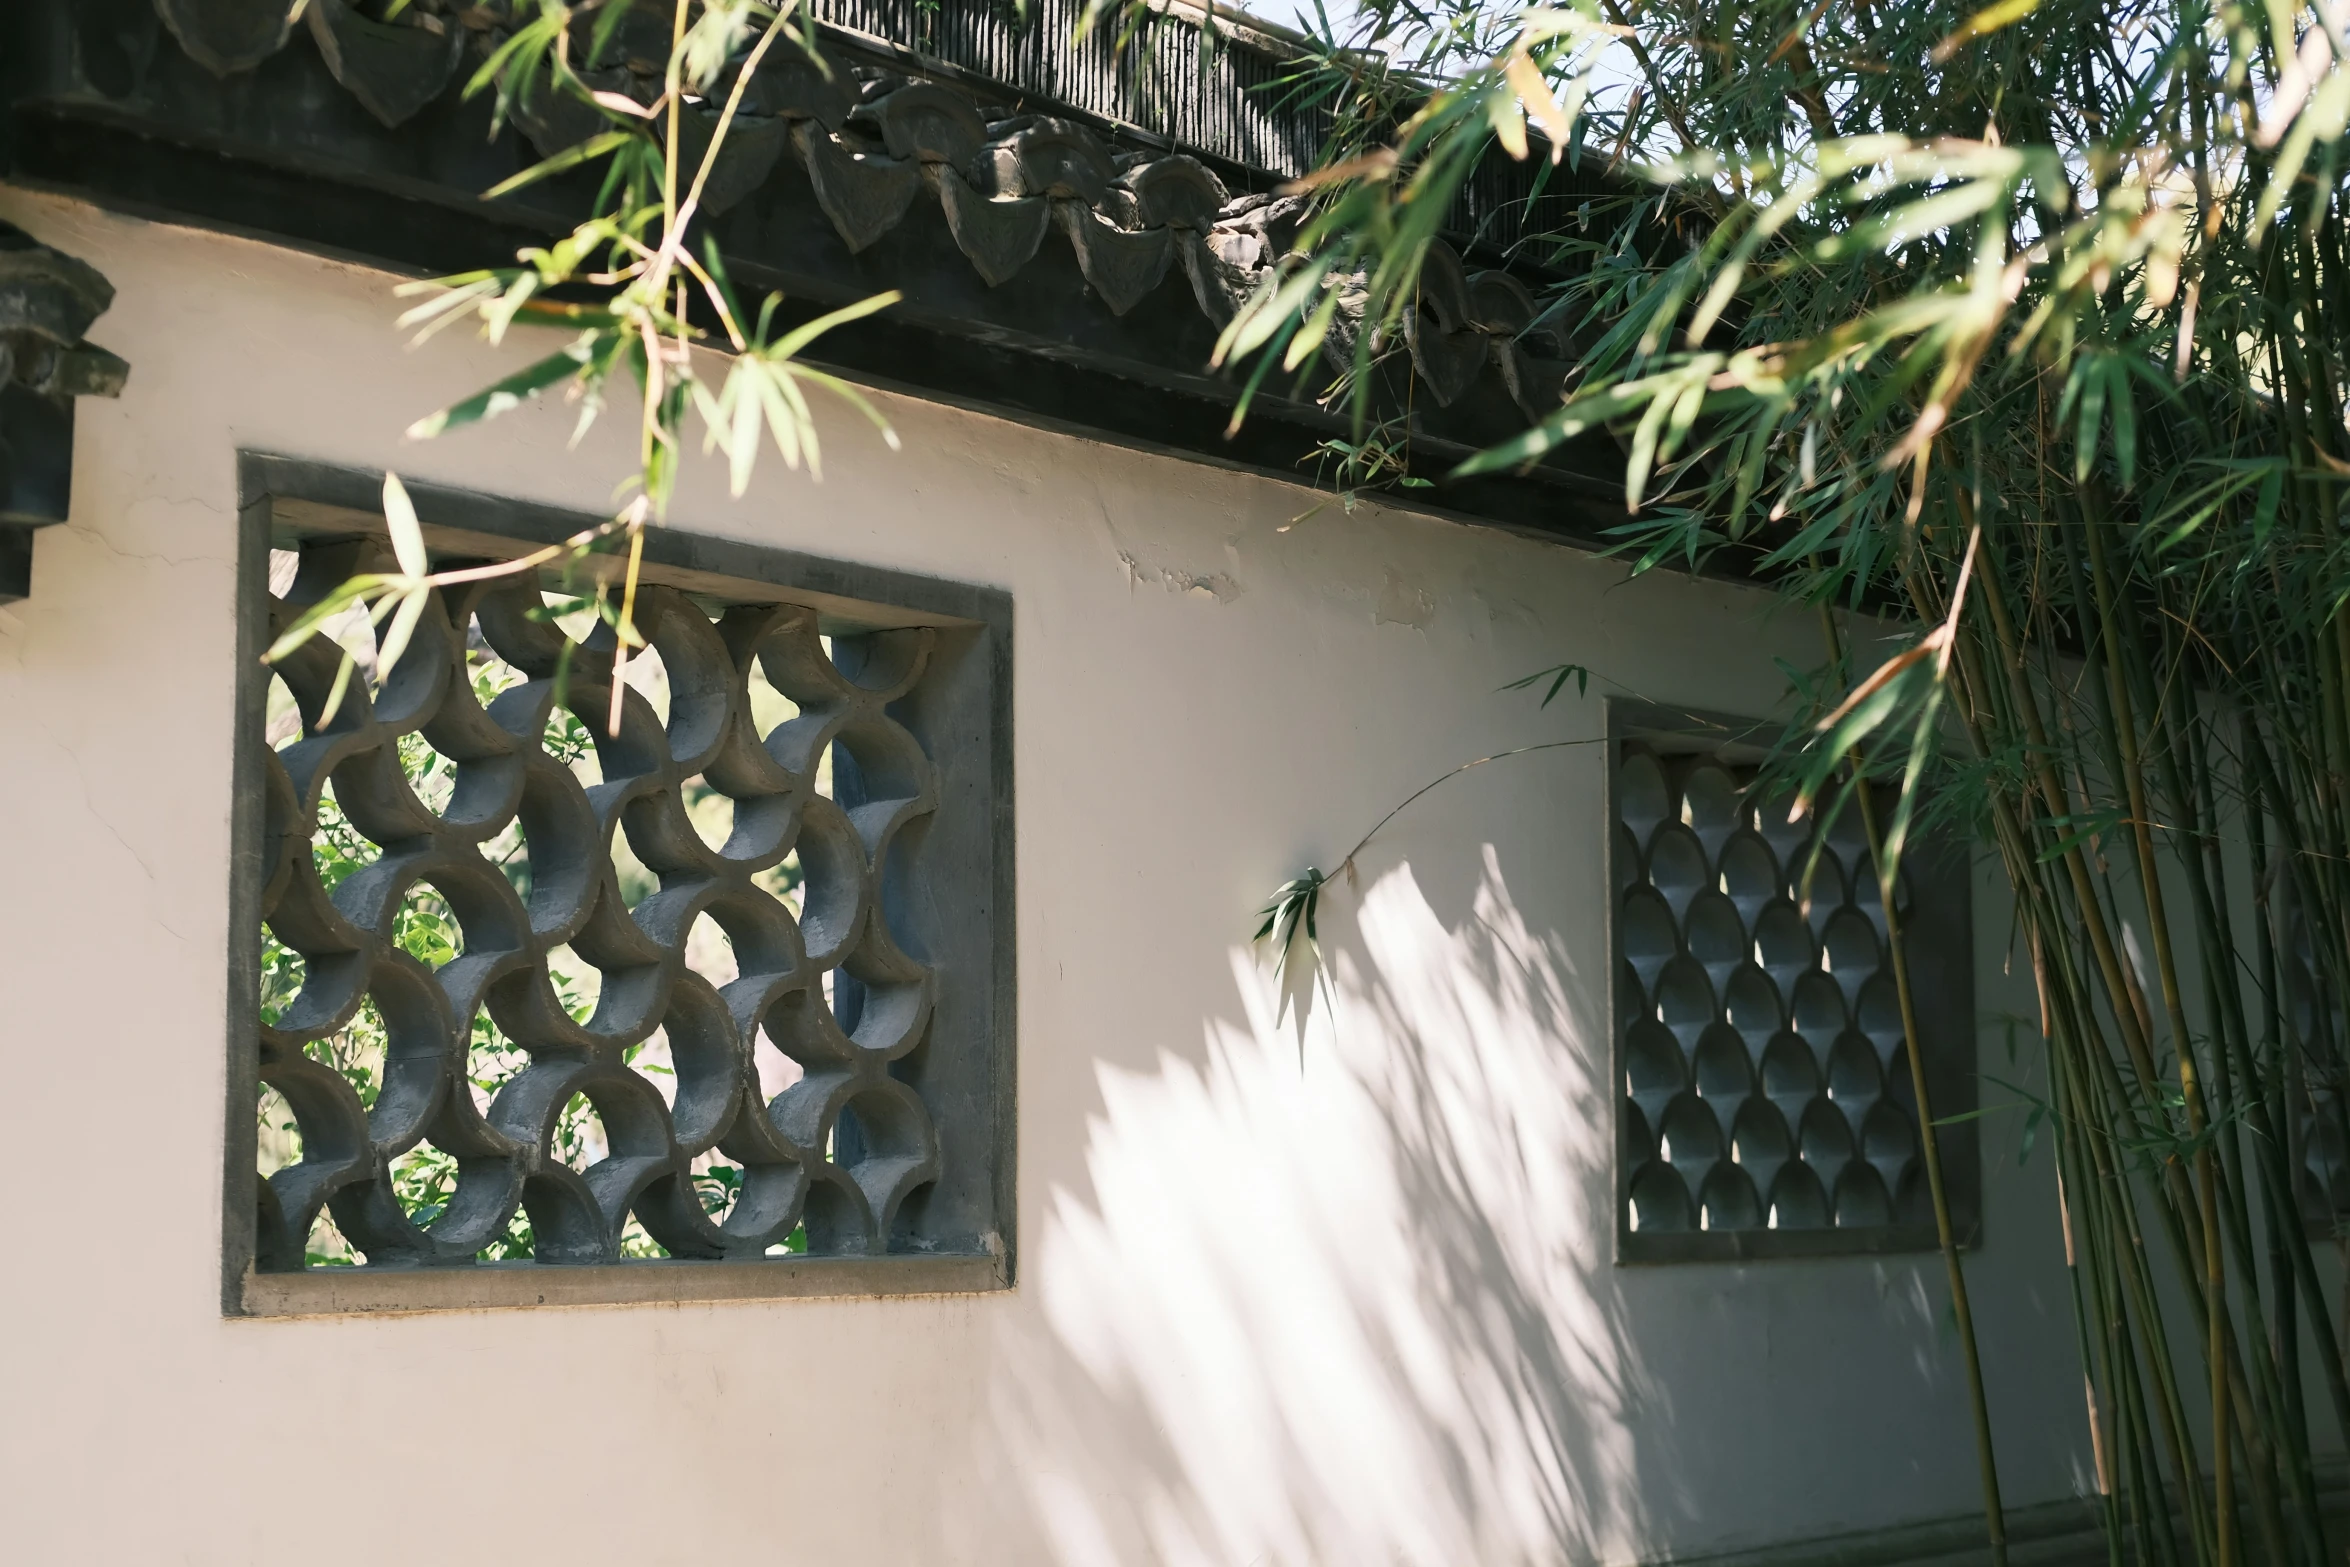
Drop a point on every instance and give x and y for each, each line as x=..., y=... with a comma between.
x=1327, y=1287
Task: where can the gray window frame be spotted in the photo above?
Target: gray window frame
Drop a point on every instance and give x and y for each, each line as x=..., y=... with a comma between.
x=964, y=1241
x=1939, y=944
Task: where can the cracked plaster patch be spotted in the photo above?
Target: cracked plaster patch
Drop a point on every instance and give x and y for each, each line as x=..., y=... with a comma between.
x=1401, y=604
x=1218, y=586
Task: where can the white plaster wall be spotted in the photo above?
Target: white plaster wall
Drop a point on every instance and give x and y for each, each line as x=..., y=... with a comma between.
x=1336, y=1292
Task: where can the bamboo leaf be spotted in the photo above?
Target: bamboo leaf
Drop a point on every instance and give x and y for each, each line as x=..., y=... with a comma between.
x=1534, y=92
x=1509, y=124
x=395, y=642
x=1989, y=20
x=335, y=602
x=2125, y=426
x=801, y=336
x=2321, y=121
x=2092, y=419
x=400, y=520
x=336, y=692
x=510, y=392
x=569, y=158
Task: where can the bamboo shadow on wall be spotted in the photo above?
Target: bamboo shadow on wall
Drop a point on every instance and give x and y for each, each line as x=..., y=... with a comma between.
x=1355, y=1313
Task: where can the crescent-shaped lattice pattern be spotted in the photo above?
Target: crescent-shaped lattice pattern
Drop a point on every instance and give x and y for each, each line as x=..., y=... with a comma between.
x=826, y=1162
x=1766, y=1083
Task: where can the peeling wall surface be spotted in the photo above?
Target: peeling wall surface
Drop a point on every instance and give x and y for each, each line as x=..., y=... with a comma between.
x=1314, y=1273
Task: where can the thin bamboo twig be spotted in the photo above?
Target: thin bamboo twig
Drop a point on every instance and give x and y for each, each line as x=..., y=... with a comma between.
x=1929, y=1144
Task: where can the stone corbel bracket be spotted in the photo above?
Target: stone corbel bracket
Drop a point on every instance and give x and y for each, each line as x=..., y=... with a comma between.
x=47, y=301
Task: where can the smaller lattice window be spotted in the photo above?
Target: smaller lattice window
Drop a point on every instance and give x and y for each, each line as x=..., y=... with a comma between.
x=2318, y=1130
x=716, y=1002
x=1766, y=1105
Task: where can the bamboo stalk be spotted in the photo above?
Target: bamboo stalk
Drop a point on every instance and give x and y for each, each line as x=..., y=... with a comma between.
x=1929, y=1144
x=2215, y=1308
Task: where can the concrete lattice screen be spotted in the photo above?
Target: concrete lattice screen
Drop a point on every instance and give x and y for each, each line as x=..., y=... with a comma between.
x=1766, y=1096
x=645, y=920
x=2318, y=1135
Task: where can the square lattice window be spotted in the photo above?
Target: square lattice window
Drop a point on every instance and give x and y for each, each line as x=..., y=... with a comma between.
x=1766, y=1103
x=2317, y=1129
x=528, y=1010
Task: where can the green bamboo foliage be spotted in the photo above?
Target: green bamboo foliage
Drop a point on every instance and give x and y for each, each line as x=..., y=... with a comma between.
x=634, y=287
x=2026, y=327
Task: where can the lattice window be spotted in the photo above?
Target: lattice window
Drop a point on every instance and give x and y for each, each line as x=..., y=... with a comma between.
x=2318, y=1135
x=534, y=992
x=1767, y=1105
